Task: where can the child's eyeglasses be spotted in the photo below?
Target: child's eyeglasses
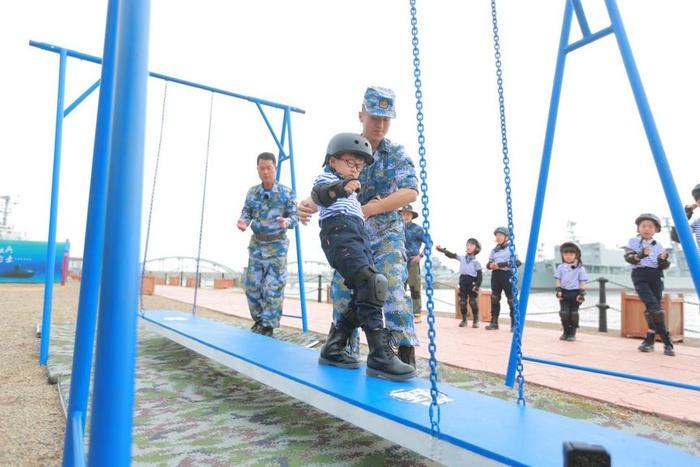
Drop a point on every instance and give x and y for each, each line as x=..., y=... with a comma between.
x=354, y=164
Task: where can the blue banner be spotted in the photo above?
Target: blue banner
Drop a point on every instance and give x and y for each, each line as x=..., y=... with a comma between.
x=24, y=261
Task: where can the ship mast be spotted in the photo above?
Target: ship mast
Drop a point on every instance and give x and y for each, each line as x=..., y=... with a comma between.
x=570, y=228
x=5, y=229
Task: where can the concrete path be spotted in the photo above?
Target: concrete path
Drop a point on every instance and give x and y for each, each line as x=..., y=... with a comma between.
x=483, y=350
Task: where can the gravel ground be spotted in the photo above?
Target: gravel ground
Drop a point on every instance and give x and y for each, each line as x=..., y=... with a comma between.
x=32, y=421
x=31, y=418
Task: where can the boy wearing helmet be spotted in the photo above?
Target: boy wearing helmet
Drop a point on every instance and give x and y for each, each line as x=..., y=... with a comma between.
x=346, y=245
x=571, y=279
x=648, y=259
x=500, y=264
x=470, y=276
x=694, y=225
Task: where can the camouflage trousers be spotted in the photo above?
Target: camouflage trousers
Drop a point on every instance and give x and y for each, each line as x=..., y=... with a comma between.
x=265, y=279
x=389, y=258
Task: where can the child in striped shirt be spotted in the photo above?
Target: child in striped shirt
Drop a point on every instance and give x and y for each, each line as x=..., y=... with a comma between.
x=346, y=245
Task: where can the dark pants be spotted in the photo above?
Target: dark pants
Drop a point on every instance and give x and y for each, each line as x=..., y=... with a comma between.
x=347, y=249
x=649, y=285
x=568, y=310
x=500, y=282
x=466, y=292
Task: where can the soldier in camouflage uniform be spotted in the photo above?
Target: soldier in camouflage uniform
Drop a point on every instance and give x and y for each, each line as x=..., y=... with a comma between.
x=387, y=185
x=270, y=209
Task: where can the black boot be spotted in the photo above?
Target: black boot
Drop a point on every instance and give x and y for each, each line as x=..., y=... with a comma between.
x=407, y=354
x=512, y=323
x=475, y=324
x=494, y=322
x=333, y=351
x=573, y=325
x=668, y=345
x=464, y=320
x=381, y=361
x=266, y=331
x=648, y=344
x=564, y=316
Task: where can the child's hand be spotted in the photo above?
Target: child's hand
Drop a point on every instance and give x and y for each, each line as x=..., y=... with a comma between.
x=242, y=225
x=580, y=298
x=646, y=251
x=663, y=255
x=282, y=222
x=352, y=186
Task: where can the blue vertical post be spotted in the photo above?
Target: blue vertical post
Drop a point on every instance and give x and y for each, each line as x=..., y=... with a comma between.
x=541, y=190
x=300, y=264
x=113, y=395
x=94, y=245
x=51, y=242
x=657, y=149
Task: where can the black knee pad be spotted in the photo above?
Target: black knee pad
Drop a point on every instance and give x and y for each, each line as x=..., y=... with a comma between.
x=474, y=304
x=574, y=318
x=654, y=314
x=495, y=300
x=372, y=287
x=564, y=315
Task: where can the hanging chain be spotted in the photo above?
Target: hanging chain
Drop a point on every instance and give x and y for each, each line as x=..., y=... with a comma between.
x=153, y=195
x=432, y=348
x=204, y=197
x=509, y=203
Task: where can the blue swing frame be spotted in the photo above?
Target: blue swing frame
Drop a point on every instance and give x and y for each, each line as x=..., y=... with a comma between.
x=113, y=216
x=674, y=202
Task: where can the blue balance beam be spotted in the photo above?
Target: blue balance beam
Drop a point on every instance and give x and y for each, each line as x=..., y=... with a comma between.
x=474, y=429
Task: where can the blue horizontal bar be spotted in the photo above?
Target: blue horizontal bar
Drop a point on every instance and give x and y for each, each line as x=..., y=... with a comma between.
x=645, y=379
x=98, y=60
x=82, y=97
x=588, y=39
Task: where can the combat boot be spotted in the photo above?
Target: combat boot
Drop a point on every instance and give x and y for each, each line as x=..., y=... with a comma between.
x=333, y=351
x=668, y=345
x=648, y=344
x=381, y=361
x=494, y=322
x=464, y=320
x=475, y=324
x=572, y=333
x=407, y=354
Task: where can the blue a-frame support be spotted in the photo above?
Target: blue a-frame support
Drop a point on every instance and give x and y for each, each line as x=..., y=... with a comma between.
x=674, y=202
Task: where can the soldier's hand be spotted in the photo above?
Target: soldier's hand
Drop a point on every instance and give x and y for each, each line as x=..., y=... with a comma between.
x=242, y=225
x=283, y=222
x=352, y=186
x=307, y=208
x=371, y=208
x=415, y=259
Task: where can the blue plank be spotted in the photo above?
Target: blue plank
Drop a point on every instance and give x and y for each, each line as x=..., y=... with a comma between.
x=496, y=429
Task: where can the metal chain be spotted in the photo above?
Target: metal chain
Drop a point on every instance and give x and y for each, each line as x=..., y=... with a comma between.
x=204, y=197
x=153, y=195
x=434, y=407
x=509, y=204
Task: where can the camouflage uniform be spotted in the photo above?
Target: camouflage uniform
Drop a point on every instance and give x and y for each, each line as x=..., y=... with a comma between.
x=392, y=170
x=266, y=275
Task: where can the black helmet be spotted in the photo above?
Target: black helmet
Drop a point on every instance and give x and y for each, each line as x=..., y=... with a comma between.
x=503, y=230
x=696, y=192
x=352, y=143
x=570, y=247
x=647, y=216
x=475, y=242
x=409, y=208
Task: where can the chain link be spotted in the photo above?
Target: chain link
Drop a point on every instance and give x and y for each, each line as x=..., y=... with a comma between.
x=153, y=195
x=197, y=279
x=509, y=204
x=434, y=410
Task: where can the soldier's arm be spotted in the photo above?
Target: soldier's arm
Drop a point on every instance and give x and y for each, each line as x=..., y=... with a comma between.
x=290, y=212
x=394, y=201
x=247, y=211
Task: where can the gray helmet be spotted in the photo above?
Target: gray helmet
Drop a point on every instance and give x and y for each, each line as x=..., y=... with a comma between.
x=696, y=192
x=647, y=216
x=352, y=143
x=503, y=230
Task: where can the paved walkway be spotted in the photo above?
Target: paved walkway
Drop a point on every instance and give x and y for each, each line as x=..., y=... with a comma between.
x=483, y=350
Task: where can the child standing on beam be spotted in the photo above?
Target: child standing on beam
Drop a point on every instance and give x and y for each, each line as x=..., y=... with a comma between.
x=346, y=245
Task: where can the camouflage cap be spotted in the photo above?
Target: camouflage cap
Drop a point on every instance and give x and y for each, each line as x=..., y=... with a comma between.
x=379, y=102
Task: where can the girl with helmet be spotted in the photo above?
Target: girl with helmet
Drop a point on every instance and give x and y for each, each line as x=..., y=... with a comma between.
x=571, y=280
x=470, y=276
x=346, y=245
x=500, y=264
x=648, y=259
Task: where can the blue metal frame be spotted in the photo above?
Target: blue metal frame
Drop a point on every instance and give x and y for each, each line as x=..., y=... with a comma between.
x=657, y=150
x=65, y=53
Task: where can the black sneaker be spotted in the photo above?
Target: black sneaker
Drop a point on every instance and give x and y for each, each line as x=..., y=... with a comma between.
x=668, y=350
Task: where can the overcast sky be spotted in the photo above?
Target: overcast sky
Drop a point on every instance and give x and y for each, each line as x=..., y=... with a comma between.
x=320, y=56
